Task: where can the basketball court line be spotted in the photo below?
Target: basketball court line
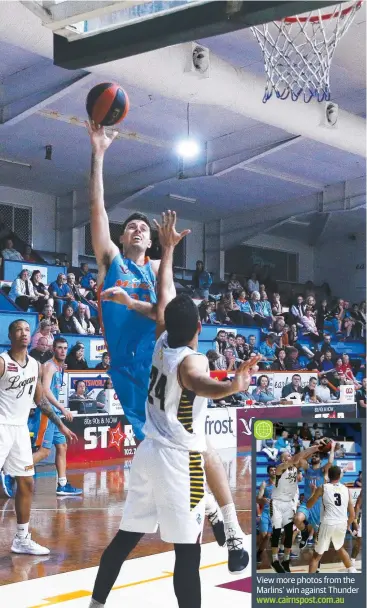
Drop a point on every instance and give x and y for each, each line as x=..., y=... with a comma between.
x=325, y=569
x=73, y=589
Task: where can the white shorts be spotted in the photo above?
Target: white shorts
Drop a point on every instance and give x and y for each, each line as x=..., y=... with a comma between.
x=15, y=450
x=327, y=533
x=281, y=513
x=166, y=488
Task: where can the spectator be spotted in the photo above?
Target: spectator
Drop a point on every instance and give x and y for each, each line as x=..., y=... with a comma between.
x=361, y=400
x=305, y=433
x=358, y=481
x=242, y=347
x=40, y=291
x=327, y=364
x=75, y=359
x=233, y=283
x=92, y=293
x=309, y=392
x=202, y=281
x=253, y=283
x=205, y=310
x=247, y=316
x=318, y=434
x=84, y=322
x=253, y=349
x=279, y=364
x=9, y=253
x=268, y=350
x=323, y=391
x=104, y=364
x=41, y=352
x=269, y=449
x=262, y=393
x=291, y=361
x=257, y=311
x=27, y=256
x=315, y=364
x=293, y=341
x=296, y=444
x=232, y=361
x=216, y=361
x=84, y=276
x=220, y=342
x=232, y=344
x=44, y=331
x=61, y=294
x=293, y=387
x=326, y=346
x=362, y=314
x=347, y=371
x=74, y=288
x=276, y=306
x=322, y=314
x=309, y=326
x=49, y=314
x=348, y=321
x=283, y=444
x=21, y=291
x=358, y=321
x=79, y=390
x=222, y=312
x=68, y=323
x=338, y=315
x=265, y=305
x=102, y=396
x=298, y=310
x=339, y=451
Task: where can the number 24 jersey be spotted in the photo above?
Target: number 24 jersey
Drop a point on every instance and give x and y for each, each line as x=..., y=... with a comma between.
x=175, y=416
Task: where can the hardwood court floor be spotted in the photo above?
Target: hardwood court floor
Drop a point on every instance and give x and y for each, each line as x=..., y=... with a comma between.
x=78, y=529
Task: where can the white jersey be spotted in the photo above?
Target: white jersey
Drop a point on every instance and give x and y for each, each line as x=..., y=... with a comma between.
x=175, y=416
x=286, y=485
x=335, y=500
x=17, y=388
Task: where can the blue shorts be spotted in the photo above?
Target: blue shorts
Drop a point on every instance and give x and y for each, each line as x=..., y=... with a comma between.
x=265, y=523
x=46, y=433
x=312, y=515
x=131, y=386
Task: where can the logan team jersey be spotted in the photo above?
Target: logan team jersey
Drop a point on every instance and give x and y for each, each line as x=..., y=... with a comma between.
x=17, y=388
x=175, y=417
x=286, y=485
x=312, y=476
x=335, y=502
x=129, y=335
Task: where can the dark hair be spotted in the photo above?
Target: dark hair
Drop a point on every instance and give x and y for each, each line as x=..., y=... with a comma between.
x=259, y=379
x=34, y=274
x=313, y=378
x=135, y=216
x=76, y=384
x=334, y=473
x=231, y=335
x=270, y=466
x=67, y=305
x=296, y=375
x=59, y=340
x=105, y=354
x=181, y=318
x=14, y=323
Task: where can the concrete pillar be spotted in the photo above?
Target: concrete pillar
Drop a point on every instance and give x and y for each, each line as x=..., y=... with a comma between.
x=213, y=251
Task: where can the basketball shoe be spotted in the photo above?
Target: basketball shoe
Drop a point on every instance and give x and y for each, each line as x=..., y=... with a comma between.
x=27, y=545
x=68, y=490
x=238, y=557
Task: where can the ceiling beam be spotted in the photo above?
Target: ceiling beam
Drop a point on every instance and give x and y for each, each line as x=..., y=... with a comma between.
x=287, y=177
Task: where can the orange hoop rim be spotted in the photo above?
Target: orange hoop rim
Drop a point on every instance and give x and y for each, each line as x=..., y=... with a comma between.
x=325, y=17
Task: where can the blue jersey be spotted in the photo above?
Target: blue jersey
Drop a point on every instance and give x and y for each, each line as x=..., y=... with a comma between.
x=268, y=492
x=57, y=382
x=129, y=335
x=314, y=476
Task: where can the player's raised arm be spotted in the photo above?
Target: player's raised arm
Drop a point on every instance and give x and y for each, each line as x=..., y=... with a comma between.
x=317, y=493
x=260, y=495
x=351, y=512
x=331, y=459
x=194, y=376
x=104, y=249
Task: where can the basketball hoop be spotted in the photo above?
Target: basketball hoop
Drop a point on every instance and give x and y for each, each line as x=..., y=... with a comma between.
x=298, y=51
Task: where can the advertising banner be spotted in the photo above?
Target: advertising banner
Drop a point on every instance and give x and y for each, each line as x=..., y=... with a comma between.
x=221, y=427
x=94, y=383
x=277, y=380
x=100, y=437
x=96, y=349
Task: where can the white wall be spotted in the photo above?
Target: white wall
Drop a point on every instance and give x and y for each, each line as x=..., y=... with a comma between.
x=44, y=209
x=305, y=252
x=194, y=242
x=336, y=263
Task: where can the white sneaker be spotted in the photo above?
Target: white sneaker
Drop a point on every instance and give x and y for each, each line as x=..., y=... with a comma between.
x=27, y=545
x=350, y=570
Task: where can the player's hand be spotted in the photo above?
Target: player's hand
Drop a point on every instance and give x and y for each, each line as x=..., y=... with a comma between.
x=99, y=139
x=313, y=487
x=168, y=235
x=242, y=378
x=70, y=436
x=68, y=415
x=117, y=295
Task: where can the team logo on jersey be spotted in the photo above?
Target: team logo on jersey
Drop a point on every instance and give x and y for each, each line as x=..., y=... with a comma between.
x=124, y=268
x=199, y=519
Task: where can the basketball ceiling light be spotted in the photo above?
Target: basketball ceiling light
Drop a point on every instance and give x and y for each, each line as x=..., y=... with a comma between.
x=188, y=148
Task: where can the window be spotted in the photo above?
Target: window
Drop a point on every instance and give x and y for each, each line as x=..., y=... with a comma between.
x=18, y=220
x=282, y=265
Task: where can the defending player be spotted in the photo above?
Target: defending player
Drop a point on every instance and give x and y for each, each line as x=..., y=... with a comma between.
x=337, y=513
x=20, y=385
x=306, y=520
x=46, y=431
x=282, y=504
x=130, y=279
x=263, y=498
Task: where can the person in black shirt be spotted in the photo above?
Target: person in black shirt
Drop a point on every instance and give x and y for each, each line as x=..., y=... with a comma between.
x=105, y=363
x=41, y=352
x=75, y=359
x=326, y=345
x=361, y=400
x=293, y=387
x=70, y=278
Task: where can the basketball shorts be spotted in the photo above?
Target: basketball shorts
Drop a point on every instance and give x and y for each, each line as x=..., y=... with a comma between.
x=15, y=451
x=166, y=489
x=265, y=523
x=281, y=513
x=330, y=533
x=46, y=433
x=312, y=515
x=131, y=386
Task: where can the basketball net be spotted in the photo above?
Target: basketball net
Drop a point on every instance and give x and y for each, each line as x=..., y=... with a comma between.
x=298, y=50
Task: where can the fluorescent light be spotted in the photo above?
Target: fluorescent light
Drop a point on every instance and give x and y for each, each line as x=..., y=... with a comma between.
x=188, y=148
x=185, y=199
x=14, y=162
x=298, y=222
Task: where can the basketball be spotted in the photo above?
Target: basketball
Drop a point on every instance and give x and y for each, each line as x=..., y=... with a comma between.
x=325, y=448
x=107, y=104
